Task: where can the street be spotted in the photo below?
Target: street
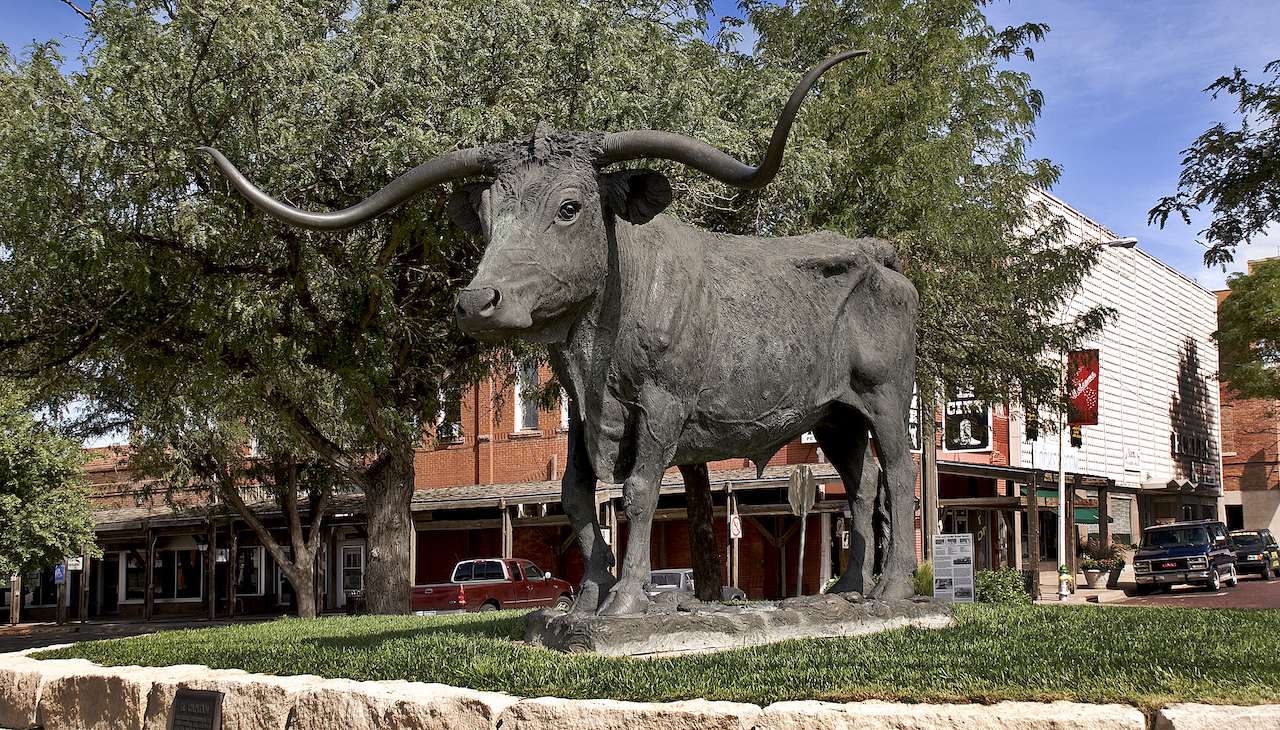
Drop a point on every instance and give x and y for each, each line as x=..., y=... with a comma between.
x=1250, y=592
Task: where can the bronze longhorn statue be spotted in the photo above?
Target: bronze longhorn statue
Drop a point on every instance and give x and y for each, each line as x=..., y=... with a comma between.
x=676, y=345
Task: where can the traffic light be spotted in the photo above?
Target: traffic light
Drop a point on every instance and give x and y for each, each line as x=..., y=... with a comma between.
x=1077, y=437
x=1033, y=425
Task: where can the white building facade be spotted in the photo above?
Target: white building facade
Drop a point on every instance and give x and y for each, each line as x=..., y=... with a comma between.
x=1158, y=431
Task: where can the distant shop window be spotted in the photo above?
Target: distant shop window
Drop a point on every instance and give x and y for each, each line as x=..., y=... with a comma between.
x=4, y=594
x=178, y=573
x=135, y=577
x=42, y=590
x=249, y=571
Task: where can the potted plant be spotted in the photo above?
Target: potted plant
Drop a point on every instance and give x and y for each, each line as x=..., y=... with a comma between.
x=1093, y=570
x=1100, y=559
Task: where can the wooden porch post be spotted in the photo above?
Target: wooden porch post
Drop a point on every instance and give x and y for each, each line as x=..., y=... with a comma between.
x=15, y=598
x=1033, y=533
x=1104, y=516
x=232, y=562
x=210, y=567
x=86, y=563
x=731, y=502
x=508, y=540
x=149, y=604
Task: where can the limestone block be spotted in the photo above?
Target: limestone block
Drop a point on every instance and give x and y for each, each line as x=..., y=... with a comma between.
x=20, y=688
x=401, y=705
x=91, y=697
x=877, y=715
x=1218, y=717
x=550, y=713
x=249, y=701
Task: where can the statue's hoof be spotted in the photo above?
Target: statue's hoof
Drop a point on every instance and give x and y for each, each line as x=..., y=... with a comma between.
x=889, y=589
x=587, y=600
x=624, y=603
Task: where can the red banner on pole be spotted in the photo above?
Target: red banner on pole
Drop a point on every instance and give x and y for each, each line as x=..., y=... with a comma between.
x=1082, y=387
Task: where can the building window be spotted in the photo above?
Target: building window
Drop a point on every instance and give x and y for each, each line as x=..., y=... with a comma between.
x=450, y=428
x=249, y=571
x=135, y=577
x=527, y=396
x=42, y=591
x=178, y=574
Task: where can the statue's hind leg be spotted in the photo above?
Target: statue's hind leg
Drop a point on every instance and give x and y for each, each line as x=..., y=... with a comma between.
x=578, y=495
x=844, y=439
x=887, y=412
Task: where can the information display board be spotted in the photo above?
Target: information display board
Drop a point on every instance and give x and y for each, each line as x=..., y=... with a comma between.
x=953, y=568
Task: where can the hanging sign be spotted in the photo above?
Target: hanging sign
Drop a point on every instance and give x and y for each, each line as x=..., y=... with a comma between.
x=1082, y=388
x=966, y=425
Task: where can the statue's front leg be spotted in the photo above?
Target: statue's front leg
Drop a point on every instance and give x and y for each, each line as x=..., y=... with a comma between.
x=639, y=500
x=578, y=496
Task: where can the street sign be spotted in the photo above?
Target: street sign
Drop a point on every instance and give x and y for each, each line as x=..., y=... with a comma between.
x=59, y=575
x=802, y=490
x=76, y=563
x=735, y=527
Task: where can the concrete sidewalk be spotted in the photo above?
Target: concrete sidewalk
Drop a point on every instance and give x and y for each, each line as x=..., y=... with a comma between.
x=1049, y=587
x=17, y=637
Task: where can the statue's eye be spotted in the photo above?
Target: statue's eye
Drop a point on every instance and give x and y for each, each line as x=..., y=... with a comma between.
x=569, y=210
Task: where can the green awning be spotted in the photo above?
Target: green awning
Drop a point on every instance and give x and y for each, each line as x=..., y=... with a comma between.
x=1084, y=515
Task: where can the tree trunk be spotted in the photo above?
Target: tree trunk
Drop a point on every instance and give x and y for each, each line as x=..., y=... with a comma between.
x=301, y=573
x=390, y=529
x=703, y=550
x=304, y=541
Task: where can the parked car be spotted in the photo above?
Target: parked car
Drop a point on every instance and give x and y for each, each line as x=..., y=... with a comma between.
x=1256, y=552
x=681, y=581
x=488, y=584
x=1199, y=553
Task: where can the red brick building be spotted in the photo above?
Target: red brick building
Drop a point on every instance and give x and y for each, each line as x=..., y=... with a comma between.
x=1250, y=455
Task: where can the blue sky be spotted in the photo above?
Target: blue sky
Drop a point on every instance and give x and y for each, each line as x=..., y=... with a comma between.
x=1122, y=83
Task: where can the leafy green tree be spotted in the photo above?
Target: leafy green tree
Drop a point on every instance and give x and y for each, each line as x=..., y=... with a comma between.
x=1249, y=332
x=1234, y=170
x=44, y=514
x=923, y=143
x=130, y=263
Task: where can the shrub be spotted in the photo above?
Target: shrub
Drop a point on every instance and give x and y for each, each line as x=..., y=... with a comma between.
x=923, y=578
x=1000, y=586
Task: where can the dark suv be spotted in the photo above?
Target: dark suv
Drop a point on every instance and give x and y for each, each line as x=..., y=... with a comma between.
x=1199, y=553
x=1256, y=552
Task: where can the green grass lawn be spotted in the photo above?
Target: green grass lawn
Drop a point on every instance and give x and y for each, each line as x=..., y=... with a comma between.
x=1147, y=657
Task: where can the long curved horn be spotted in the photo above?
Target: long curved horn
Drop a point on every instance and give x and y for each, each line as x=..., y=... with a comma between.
x=699, y=155
x=449, y=166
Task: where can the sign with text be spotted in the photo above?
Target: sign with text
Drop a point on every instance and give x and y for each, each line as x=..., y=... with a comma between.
x=953, y=568
x=195, y=709
x=1082, y=388
x=966, y=425
x=913, y=424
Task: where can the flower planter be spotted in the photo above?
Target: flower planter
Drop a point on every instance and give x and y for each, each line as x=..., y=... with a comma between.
x=1092, y=577
x=1113, y=578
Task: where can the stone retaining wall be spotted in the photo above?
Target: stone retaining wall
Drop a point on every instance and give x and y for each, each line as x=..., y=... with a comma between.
x=78, y=694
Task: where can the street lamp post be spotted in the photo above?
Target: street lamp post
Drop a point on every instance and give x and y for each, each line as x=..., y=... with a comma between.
x=1063, y=503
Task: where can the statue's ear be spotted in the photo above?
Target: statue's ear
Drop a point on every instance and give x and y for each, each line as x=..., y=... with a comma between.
x=464, y=207
x=636, y=196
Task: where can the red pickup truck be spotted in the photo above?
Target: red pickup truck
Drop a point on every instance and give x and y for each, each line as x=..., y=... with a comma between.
x=487, y=584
